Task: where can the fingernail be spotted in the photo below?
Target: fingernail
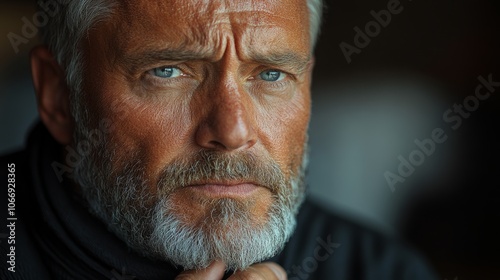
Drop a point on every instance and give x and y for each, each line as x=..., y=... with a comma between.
x=279, y=272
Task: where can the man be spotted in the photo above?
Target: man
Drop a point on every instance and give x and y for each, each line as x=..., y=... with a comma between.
x=173, y=145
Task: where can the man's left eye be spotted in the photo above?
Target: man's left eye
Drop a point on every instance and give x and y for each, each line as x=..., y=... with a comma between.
x=166, y=72
x=272, y=75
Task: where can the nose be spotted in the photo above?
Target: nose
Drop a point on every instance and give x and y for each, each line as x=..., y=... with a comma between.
x=229, y=124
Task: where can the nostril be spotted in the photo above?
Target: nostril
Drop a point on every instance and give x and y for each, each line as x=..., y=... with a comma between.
x=217, y=145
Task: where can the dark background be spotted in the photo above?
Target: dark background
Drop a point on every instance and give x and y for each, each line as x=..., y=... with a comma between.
x=368, y=112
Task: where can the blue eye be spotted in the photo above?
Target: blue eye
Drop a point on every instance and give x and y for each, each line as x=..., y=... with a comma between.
x=272, y=75
x=166, y=72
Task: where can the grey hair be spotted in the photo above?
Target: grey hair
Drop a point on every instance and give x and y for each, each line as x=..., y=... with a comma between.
x=70, y=20
x=68, y=23
x=315, y=8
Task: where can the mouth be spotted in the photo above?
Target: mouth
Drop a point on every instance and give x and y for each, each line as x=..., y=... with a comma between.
x=225, y=189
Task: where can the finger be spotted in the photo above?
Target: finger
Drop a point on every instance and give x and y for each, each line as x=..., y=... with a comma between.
x=262, y=271
x=215, y=271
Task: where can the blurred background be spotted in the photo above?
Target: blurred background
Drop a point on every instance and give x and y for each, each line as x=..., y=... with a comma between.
x=372, y=99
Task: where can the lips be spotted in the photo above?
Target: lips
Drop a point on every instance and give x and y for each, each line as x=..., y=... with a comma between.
x=217, y=189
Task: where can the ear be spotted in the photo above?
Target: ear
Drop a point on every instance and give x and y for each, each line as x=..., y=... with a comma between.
x=52, y=94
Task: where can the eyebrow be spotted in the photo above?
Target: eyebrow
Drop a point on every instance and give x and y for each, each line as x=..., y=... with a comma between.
x=149, y=57
x=288, y=60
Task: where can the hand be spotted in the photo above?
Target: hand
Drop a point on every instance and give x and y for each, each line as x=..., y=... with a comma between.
x=261, y=271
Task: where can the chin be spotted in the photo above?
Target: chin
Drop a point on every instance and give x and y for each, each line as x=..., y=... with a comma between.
x=226, y=229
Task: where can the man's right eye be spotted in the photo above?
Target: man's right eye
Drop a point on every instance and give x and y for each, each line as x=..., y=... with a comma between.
x=166, y=72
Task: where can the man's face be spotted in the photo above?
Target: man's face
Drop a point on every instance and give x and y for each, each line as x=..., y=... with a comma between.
x=209, y=103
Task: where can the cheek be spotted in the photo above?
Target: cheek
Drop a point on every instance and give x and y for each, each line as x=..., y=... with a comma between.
x=285, y=127
x=153, y=132
x=298, y=137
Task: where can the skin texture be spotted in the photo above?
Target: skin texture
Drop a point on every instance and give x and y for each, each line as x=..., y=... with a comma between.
x=219, y=100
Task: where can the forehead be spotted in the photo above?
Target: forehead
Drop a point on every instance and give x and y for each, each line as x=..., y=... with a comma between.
x=208, y=25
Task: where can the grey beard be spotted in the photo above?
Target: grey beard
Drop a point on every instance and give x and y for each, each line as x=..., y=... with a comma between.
x=147, y=222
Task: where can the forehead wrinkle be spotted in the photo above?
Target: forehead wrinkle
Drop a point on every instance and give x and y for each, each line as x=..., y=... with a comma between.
x=249, y=18
x=228, y=11
x=202, y=35
x=232, y=6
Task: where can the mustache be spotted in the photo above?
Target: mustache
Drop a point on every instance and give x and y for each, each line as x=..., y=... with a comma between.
x=207, y=166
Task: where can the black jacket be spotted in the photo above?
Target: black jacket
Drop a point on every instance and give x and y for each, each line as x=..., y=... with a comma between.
x=56, y=238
